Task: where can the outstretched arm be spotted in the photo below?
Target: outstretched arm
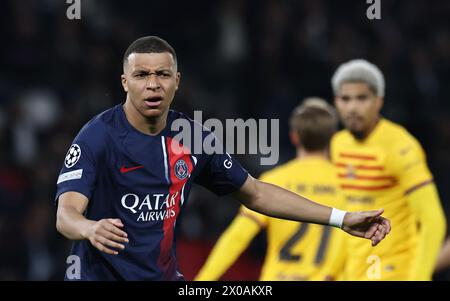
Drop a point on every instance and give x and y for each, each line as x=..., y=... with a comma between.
x=275, y=201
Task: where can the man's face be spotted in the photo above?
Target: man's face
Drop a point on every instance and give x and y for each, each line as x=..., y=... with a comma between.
x=151, y=79
x=358, y=108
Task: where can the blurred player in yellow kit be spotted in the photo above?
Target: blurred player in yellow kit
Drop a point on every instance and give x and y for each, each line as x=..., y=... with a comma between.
x=382, y=165
x=296, y=251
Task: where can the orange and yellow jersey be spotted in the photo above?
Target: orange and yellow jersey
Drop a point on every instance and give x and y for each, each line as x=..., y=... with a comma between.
x=302, y=251
x=378, y=172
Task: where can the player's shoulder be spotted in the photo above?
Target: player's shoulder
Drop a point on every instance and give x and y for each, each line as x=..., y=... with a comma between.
x=179, y=122
x=274, y=172
x=341, y=136
x=397, y=135
x=176, y=116
x=341, y=139
x=96, y=129
x=173, y=115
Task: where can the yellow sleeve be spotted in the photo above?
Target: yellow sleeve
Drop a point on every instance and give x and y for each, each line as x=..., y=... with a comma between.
x=426, y=204
x=231, y=244
x=412, y=172
x=409, y=164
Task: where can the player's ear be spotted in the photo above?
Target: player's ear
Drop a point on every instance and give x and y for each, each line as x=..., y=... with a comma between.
x=380, y=102
x=294, y=137
x=124, y=82
x=178, y=76
x=336, y=98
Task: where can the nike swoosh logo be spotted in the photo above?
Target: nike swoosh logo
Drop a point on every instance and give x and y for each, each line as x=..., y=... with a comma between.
x=124, y=169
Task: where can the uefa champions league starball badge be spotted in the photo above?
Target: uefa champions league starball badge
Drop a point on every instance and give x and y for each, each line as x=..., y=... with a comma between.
x=73, y=155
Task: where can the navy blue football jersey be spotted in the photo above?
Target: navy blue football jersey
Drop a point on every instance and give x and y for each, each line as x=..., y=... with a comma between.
x=143, y=181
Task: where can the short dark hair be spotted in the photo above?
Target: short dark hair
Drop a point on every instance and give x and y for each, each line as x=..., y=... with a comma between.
x=315, y=121
x=150, y=44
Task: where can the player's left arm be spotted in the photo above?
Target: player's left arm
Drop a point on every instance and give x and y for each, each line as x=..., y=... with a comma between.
x=432, y=225
x=420, y=190
x=277, y=202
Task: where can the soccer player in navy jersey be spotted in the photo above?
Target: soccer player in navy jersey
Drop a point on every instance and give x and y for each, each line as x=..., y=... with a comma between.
x=123, y=184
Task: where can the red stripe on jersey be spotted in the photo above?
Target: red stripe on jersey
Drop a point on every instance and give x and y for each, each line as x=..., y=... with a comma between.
x=362, y=167
x=375, y=178
x=415, y=187
x=174, y=154
x=356, y=156
x=367, y=188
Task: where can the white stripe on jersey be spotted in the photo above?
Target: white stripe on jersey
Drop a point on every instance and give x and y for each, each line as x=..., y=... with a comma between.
x=182, y=194
x=166, y=169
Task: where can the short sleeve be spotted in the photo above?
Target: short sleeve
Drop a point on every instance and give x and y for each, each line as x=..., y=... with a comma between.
x=409, y=164
x=222, y=174
x=80, y=167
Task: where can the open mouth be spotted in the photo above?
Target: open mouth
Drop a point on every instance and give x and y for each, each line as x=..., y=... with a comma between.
x=153, y=101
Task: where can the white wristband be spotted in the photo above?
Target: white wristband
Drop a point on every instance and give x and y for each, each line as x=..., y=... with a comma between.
x=337, y=218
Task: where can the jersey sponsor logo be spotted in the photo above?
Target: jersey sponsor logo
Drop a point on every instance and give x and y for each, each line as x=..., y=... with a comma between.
x=71, y=175
x=181, y=169
x=73, y=155
x=124, y=169
x=152, y=207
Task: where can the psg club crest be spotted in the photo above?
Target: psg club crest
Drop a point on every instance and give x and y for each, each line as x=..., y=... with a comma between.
x=73, y=155
x=181, y=169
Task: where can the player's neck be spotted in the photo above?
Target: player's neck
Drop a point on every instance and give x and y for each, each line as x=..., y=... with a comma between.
x=304, y=154
x=148, y=126
x=369, y=130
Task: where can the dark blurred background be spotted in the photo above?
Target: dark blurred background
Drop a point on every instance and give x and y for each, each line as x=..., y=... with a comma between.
x=238, y=59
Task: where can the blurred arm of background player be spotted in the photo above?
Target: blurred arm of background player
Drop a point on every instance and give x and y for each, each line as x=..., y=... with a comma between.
x=230, y=246
x=426, y=204
x=422, y=195
x=443, y=261
x=421, y=192
x=102, y=234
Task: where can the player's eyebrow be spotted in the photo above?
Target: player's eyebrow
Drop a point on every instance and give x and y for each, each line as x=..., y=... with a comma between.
x=357, y=96
x=146, y=71
x=362, y=95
